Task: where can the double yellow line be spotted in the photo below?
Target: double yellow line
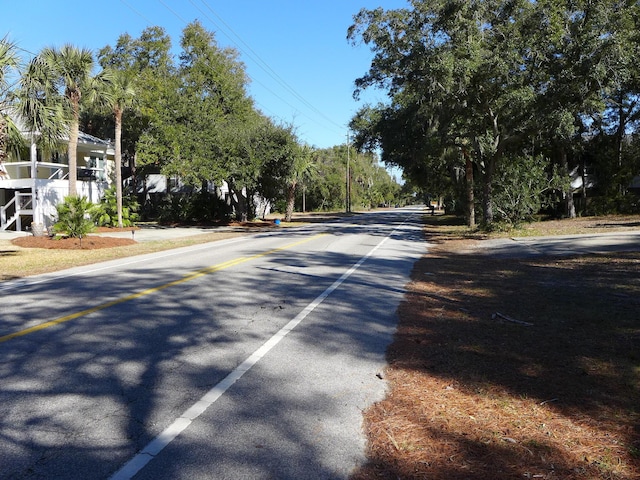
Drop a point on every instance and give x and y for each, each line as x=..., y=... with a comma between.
x=149, y=291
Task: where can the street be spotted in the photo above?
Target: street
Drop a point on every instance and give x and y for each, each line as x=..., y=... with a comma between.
x=248, y=358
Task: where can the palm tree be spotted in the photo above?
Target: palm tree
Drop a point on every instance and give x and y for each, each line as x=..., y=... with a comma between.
x=304, y=167
x=121, y=96
x=68, y=71
x=39, y=107
x=9, y=135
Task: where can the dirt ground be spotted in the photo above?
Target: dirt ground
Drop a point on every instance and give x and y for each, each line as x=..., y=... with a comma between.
x=512, y=369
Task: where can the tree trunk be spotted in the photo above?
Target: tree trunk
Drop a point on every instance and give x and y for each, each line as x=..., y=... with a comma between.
x=118, y=134
x=622, y=123
x=570, y=208
x=237, y=202
x=487, y=190
x=471, y=211
x=4, y=133
x=291, y=198
x=72, y=151
x=251, y=205
x=490, y=168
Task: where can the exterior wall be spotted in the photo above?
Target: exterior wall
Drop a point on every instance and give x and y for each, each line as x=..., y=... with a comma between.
x=49, y=194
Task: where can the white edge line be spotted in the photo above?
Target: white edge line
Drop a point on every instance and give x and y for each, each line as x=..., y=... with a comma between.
x=155, y=446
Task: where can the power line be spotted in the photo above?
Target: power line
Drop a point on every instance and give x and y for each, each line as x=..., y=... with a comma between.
x=172, y=11
x=149, y=22
x=260, y=63
x=265, y=66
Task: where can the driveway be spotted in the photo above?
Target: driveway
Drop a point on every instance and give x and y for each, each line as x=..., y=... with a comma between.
x=560, y=245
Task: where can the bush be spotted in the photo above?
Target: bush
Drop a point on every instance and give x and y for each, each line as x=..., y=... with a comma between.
x=628, y=204
x=74, y=217
x=105, y=214
x=280, y=206
x=189, y=209
x=519, y=187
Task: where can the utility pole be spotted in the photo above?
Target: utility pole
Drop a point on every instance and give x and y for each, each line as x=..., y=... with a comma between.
x=348, y=182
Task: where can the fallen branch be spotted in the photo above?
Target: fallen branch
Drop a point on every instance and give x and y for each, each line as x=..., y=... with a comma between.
x=509, y=319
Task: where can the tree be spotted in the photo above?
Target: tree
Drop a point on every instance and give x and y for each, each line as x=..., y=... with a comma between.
x=212, y=102
x=30, y=102
x=325, y=186
x=302, y=169
x=9, y=134
x=474, y=84
x=148, y=64
x=121, y=97
x=148, y=131
x=453, y=77
x=199, y=137
x=66, y=74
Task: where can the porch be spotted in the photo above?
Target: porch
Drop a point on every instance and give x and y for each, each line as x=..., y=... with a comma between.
x=16, y=212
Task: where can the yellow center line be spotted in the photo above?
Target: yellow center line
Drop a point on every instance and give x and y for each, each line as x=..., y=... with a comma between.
x=149, y=291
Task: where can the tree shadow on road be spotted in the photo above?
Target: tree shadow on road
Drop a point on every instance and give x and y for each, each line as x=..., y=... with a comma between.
x=104, y=383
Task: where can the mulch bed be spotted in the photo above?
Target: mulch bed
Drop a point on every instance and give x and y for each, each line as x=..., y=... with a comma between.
x=90, y=242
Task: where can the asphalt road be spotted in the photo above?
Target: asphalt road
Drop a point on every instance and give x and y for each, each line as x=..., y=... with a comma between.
x=249, y=358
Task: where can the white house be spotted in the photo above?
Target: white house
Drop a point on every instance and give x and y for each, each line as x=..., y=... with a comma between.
x=32, y=186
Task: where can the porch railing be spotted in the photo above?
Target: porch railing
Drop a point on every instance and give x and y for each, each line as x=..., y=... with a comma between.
x=22, y=170
x=12, y=212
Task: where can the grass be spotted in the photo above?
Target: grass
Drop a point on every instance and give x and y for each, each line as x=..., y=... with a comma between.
x=17, y=262
x=474, y=396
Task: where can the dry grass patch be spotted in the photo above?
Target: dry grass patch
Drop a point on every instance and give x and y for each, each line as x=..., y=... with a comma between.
x=474, y=396
x=26, y=256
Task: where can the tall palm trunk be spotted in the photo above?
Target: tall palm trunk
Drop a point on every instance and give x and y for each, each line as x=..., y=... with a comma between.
x=291, y=198
x=73, y=144
x=4, y=133
x=118, y=135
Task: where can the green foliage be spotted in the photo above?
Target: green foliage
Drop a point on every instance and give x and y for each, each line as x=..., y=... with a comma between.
x=628, y=204
x=371, y=184
x=196, y=208
x=105, y=213
x=74, y=217
x=494, y=80
x=10, y=138
x=519, y=187
x=194, y=119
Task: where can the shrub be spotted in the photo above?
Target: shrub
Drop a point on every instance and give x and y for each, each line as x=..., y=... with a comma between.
x=74, y=217
x=519, y=187
x=192, y=208
x=105, y=214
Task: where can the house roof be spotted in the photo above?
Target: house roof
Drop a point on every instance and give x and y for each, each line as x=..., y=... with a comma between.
x=84, y=138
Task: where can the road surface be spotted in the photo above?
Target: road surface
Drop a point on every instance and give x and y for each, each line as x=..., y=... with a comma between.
x=249, y=358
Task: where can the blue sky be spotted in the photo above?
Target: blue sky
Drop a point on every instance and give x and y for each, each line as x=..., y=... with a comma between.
x=301, y=66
